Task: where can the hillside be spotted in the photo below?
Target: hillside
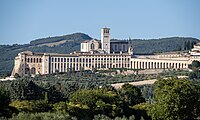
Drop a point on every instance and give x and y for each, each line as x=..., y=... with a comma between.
x=70, y=43
x=150, y=46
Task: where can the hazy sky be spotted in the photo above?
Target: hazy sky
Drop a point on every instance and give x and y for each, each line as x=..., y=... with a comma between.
x=24, y=20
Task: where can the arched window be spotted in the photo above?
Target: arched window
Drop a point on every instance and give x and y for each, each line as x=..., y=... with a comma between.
x=40, y=60
x=28, y=60
x=33, y=71
x=34, y=60
x=31, y=60
x=37, y=60
x=92, y=46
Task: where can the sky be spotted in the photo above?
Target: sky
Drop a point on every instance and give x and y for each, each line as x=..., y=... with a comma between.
x=24, y=20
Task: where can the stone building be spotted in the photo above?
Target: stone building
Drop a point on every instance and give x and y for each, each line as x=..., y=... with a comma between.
x=106, y=44
x=89, y=45
x=100, y=55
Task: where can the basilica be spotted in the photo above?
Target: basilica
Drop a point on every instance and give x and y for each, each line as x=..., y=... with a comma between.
x=100, y=54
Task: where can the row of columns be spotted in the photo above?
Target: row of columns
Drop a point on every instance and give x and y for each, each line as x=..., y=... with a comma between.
x=157, y=65
x=91, y=62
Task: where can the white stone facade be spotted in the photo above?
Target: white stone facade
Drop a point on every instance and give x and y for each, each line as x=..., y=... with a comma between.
x=28, y=63
x=90, y=45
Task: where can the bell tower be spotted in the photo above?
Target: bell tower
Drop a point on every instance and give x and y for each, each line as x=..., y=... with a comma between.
x=105, y=39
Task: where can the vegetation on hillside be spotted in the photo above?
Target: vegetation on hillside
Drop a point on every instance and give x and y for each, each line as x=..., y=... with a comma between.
x=74, y=37
x=88, y=95
x=150, y=46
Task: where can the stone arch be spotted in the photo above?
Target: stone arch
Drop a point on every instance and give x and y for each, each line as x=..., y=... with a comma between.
x=157, y=65
x=170, y=65
x=149, y=65
x=92, y=46
x=33, y=70
x=152, y=65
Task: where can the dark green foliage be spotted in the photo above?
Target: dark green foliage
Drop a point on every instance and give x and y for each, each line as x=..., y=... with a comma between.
x=188, y=45
x=98, y=101
x=143, y=109
x=147, y=92
x=131, y=94
x=4, y=98
x=74, y=37
x=101, y=117
x=60, y=107
x=90, y=96
x=104, y=117
x=5, y=109
x=43, y=116
x=175, y=99
x=31, y=106
x=4, y=102
x=162, y=45
x=195, y=74
x=195, y=65
x=24, y=89
x=105, y=101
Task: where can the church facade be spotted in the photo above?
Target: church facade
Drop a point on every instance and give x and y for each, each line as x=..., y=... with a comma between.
x=104, y=54
x=105, y=44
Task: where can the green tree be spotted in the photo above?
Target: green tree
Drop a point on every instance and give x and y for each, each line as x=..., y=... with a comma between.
x=4, y=101
x=5, y=109
x=4, y=98
x=131, y=94
x=60, y=107
x=195, y=64
x=97, y=101
x=31, y=106
x=175, y=99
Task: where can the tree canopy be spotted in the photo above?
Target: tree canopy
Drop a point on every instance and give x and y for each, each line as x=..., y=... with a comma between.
x=175, y=99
